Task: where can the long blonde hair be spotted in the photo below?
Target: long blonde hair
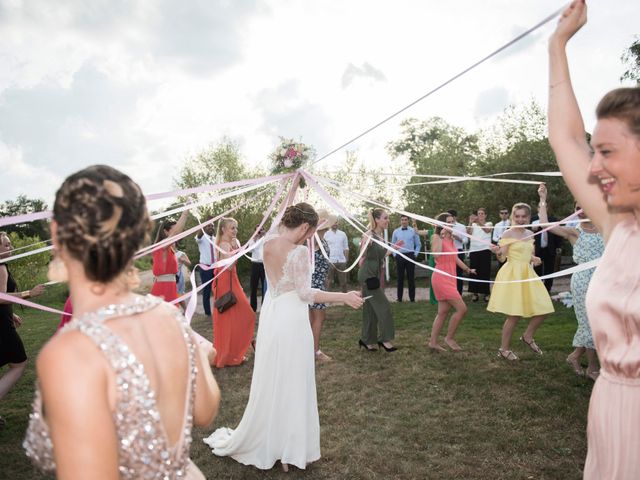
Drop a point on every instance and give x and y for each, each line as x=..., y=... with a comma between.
x=374, y=214
x=222, y=224
x=519, y=206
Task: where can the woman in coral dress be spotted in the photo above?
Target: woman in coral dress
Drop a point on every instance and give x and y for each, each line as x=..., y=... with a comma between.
x=520, y=299
x=444, y=286
x=165, y=264
x=604, y=179
x=233, y=328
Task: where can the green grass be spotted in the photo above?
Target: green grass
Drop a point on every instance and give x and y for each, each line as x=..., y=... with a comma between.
x=408, y=414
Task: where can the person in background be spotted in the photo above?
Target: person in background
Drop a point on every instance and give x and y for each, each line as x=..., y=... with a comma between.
x=67, y=315
x=444, y=286
x=339, y=256
x=120, y=387
x=376, y=314
x=11, y=348
x=317, y=311
x=206, y=241
x=501, y=226
x=548, y=246
x=459, y=240
x=588, y=245
x=513, y=297
x=480, y=256
x=233, y=328
x=183, y=272
x=257, y=271
x=431, y=259
x=165, y=264
x=410, y=248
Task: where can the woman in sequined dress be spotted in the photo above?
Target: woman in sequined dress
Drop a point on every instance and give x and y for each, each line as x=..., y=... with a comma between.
x=110, y=402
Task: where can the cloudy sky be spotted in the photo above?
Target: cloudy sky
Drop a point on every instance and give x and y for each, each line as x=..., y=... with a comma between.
x=141, y=85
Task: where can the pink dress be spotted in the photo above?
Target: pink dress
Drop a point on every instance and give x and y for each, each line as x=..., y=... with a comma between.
x=613, y=308
x=444, y=287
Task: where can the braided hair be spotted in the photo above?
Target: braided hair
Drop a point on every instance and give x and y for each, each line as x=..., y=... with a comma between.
x=102, y=220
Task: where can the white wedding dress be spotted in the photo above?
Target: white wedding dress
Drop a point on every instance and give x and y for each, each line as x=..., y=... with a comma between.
x=281, y=420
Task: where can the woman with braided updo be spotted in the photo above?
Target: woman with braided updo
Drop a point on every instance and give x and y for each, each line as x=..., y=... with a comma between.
x=232, y=328
x=281, y=419
x=165, y=263
x=110, y=402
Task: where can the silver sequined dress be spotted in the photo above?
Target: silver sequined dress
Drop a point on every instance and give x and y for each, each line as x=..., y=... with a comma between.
x=143, y=450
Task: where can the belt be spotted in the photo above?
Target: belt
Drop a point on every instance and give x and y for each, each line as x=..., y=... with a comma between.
x=168, y=277
x=634, y=382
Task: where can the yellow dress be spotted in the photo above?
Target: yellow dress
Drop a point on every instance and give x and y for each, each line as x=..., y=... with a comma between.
x=523, y=299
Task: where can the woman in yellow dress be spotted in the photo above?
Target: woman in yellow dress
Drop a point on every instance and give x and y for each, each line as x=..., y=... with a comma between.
x=523, y=299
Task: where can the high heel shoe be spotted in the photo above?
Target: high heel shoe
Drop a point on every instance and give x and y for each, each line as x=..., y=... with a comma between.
x=575, y=365
x=388, y=349
x=366, y=347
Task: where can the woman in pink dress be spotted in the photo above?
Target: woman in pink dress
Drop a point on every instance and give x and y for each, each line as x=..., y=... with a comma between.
x=444, y=286
x=605, y=179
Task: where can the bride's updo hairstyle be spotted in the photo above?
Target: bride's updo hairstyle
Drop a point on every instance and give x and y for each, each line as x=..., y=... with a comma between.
x=296, y=215
x=102, y=220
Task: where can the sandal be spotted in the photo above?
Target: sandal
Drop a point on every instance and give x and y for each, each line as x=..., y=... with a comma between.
x=593, y=375
x=532, y=345
x=507, y=355
x=575, y=364
x=322, y=357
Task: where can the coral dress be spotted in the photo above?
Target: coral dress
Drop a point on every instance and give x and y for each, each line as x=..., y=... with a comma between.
x=165, y=269
x=444, y=287
x=523, y=299
x=613, y=307
x=232, y=329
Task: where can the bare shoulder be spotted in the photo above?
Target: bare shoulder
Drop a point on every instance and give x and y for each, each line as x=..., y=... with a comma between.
x=508, y=233
x=68, y=356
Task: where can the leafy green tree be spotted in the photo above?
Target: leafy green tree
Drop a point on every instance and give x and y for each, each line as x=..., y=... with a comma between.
x=31, y=270
x=220, y=163
x=631, y=59
x=23, y=205
x=434, y=147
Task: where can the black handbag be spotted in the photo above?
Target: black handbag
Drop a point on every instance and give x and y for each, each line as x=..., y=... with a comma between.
x=226, y=300
x=372, y=283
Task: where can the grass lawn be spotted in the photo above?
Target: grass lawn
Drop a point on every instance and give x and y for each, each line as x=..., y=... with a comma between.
x=407, y=414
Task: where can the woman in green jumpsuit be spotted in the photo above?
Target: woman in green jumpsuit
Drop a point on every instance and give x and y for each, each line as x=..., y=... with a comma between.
x=377, y=321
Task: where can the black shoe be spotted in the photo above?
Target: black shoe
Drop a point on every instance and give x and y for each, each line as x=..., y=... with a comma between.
x=366, y=347
x=392, y=349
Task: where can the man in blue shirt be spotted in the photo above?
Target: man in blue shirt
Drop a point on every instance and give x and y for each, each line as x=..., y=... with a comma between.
x=411, y=249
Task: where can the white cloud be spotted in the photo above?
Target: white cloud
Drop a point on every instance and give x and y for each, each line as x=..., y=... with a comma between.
x=142, y=85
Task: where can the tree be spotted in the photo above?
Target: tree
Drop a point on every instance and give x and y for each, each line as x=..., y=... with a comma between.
x=434, y=147
x=218, y=164
x=631, y=58
x=21, y=206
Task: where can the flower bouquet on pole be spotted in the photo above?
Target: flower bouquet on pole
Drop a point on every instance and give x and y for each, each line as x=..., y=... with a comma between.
x=289, y=156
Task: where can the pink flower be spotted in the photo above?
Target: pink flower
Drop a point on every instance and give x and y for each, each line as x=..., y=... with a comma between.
x=288, y=163
x=291, y=152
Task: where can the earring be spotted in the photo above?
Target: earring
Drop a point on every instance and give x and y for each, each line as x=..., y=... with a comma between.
x=57, y=271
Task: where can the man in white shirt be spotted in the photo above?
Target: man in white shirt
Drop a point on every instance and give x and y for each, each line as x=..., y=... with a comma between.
x=459, y=240
x=338, y=255
x=205, y=240
x=502, y=226
x=257, y=271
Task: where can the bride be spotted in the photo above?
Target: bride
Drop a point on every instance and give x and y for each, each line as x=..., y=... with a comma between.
x=281, y=421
